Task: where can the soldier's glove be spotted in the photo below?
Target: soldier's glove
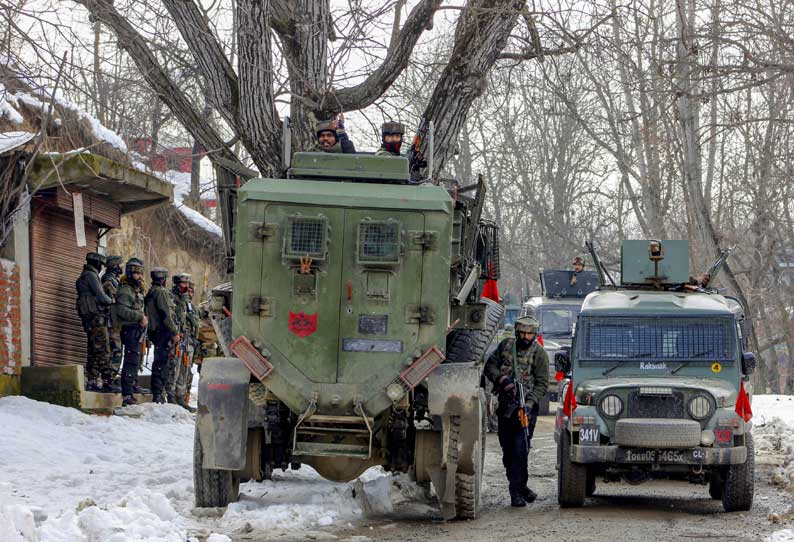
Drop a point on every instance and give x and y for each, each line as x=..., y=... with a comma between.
x=507, y=385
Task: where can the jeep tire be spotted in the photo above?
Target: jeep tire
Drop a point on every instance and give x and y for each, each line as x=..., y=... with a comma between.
x=571, y=477
x=739, y=486
x=213, y=487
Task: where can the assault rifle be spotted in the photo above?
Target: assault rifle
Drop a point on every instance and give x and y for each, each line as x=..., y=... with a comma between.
x=523, y=418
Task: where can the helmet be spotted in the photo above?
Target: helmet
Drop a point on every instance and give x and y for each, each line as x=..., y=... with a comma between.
x=578, y=261
x=526, y=324
x=325, y=126
x=134, y=265
x=159, y=274
x=113, y=261
x=180, y=278
x=392, y=128
x=95, y=259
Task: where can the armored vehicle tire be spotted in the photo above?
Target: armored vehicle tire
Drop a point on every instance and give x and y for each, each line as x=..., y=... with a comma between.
x=657, y=433
x=467, y=345
x=737, y=495
x=468, y=487
x=571, y=477
x=716, y=485
x=213, y=488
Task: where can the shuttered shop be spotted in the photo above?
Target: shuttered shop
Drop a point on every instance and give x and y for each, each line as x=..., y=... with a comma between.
x=56, y=263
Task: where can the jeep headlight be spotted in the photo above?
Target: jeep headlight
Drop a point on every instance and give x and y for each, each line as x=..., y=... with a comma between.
x=611, y=406
x=700, y=407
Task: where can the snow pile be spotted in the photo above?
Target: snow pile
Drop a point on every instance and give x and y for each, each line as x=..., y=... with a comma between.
x=181, y=182
x=8, y=103
x=71, y=477
x=786, y=535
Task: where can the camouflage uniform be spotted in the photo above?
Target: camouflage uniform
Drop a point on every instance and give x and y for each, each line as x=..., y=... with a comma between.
x=130, y=304
x=182, y=306
x=161, y=331
x=533, y=372
x=110, y=283
x=92, y=307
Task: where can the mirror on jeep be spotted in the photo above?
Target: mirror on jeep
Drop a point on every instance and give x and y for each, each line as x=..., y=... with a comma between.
x=748, y=363
x=562, y=360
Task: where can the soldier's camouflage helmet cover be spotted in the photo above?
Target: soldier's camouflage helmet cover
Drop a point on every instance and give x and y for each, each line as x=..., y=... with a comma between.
x=527, y=324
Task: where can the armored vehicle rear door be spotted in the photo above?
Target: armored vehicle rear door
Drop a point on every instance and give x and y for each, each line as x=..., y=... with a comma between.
x=303, y=304
x=381, y=283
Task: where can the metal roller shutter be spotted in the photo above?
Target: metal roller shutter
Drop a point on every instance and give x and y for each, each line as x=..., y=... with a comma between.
x=56, y=262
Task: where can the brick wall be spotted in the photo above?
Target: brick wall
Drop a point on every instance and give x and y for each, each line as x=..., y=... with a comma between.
x=10, y=322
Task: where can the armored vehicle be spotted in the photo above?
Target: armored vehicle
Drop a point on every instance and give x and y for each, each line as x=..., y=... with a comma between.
x=563, y=292
x=658, y=383
x=353, y=331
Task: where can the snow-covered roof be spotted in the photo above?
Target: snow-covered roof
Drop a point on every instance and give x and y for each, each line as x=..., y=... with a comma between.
x=11, y=140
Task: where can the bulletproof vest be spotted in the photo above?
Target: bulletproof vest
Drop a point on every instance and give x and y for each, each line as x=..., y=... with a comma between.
x=137, y=303
x=155, y=318
x=110, y=281
x=524, y=359
x=180, y=308
x=87, y=306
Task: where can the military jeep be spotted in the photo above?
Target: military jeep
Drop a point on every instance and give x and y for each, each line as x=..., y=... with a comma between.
x=657, y=383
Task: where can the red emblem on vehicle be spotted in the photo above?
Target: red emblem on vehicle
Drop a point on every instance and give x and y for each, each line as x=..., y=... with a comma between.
x=302, y=324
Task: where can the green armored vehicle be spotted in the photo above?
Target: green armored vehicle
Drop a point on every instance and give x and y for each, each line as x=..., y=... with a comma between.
x=658, y=383
x=353, y=331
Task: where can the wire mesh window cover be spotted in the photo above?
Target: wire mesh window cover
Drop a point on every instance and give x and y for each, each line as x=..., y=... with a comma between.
x=306, y=237
x=379, y=242
x=487, y=251
x=667, y=339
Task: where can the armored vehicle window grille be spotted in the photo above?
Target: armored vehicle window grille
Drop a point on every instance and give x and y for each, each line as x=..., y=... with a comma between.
x=655, y=339
x=306, y=237
x=379, y=242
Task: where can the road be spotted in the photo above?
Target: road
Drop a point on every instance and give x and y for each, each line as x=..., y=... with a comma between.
x=658, y=510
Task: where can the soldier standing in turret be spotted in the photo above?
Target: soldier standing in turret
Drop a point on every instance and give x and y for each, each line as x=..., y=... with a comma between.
x=532, y=363
x=92, y=307
x=131, y=320
x=110, y=283
x=162, y=331
x=332, y=137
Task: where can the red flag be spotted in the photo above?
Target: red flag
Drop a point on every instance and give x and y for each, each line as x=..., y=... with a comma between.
x=540, y=340
x=569, y=403
x=743, y=407
x=559, y=375
x=490, y=290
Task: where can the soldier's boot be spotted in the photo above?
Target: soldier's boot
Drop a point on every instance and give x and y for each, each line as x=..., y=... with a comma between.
x=128, y=401
x=170, y=398
x=159, y=398
x=184, y=404
x=109, y=385
x=528, y=495
x=517, y=500
x=93, y=385
x=137, y=389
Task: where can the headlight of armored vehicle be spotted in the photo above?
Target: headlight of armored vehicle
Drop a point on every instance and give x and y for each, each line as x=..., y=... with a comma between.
x=700, y=407
x=611, y=406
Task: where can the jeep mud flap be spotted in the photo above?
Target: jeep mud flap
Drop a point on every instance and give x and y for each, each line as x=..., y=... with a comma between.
x=454, y=395
x=222, y=415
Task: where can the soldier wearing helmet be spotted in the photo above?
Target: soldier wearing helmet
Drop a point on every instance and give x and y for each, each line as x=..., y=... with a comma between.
x=332, y=137
x=175, y=392
x=130, y=317
x=532, y=363
x=110, y=283
x=391, y=139
x=578, y=267
x=92, y=307
x=163, y=332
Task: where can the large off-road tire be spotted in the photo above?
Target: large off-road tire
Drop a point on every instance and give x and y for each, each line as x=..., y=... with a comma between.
x=716, y=485
x=739, y=486
x=468, y=487
x=213, y=488
x=657, y=433
x=466, y=346
x=571, y=477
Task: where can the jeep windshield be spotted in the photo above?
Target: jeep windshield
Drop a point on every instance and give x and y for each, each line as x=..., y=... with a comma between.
x=650, y=339
x=557, y=321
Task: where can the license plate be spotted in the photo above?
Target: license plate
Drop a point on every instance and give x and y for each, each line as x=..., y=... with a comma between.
x=589, y=435
x=661, y=456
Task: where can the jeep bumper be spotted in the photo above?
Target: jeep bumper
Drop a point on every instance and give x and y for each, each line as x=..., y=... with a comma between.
x=632, y=456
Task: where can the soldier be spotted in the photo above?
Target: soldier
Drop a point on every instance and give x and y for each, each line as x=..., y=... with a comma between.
x=332, y=137
x=162, y=331
x=533, y=372
x=92, y=307
x=131, y=320
x=179, y=292
x=391, y=138
x=110, y=283
x=578, y=267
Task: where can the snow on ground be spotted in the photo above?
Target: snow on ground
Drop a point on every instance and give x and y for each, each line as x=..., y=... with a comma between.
x=72, y=477
x=786, y=535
